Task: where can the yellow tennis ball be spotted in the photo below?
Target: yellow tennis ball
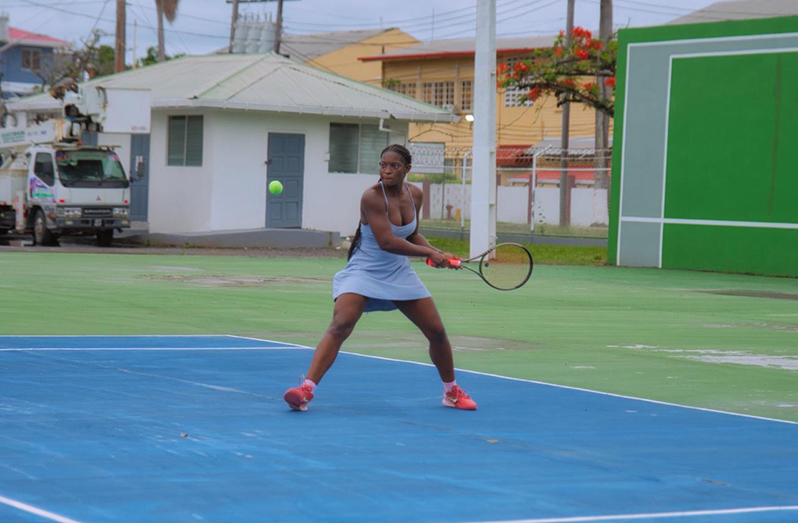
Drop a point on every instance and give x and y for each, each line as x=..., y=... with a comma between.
x=275, y=187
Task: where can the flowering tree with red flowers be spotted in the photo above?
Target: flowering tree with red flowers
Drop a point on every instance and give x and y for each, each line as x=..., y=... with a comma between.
x=570, y=71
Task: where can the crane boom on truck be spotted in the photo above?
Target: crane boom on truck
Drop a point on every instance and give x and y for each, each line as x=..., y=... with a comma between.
x=53, y=185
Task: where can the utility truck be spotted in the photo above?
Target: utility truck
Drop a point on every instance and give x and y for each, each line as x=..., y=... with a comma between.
x=51, y=184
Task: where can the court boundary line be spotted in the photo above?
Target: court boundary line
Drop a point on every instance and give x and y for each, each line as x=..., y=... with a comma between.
x=570, y=387
x=141, y=349
x=653, y=515
x=480, y=373
x=30, y=509
x=717, y=223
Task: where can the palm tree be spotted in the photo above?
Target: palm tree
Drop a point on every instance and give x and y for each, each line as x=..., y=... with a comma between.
x=166, y=8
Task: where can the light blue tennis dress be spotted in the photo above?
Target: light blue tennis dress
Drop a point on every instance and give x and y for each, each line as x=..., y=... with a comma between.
x=381, y=276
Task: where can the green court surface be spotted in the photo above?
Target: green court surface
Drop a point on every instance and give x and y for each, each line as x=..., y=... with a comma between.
x=719, y=341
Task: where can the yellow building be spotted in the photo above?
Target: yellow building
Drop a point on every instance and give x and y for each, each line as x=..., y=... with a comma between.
x=442, y=73
x=340, y=52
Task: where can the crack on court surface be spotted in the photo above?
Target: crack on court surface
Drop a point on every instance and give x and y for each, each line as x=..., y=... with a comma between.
x=721, y=356
x=759, y=325
x=237, y=281
x=752, y=294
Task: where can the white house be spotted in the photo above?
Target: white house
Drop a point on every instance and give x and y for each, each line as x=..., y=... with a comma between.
x=223, y=126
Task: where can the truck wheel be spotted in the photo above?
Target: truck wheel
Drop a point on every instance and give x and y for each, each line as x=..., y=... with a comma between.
x=41, y=234
x=104, y=238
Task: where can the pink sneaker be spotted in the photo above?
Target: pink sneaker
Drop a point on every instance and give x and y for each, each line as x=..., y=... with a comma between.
x=299, y=397
x=458, y=399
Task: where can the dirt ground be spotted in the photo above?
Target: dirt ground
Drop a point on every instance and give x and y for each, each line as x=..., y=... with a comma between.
x=87, y=246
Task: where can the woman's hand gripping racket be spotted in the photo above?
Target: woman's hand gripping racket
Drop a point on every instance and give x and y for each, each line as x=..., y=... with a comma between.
x=505, y=267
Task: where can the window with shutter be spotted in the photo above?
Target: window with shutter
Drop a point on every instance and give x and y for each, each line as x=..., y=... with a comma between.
x=372, y=142
x=185, y=141
x=344, y=147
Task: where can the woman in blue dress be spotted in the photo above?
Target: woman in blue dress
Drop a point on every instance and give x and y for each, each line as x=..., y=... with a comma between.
x=378, y=277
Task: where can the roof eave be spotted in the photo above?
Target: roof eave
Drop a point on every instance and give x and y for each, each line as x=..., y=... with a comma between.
x=36, y=43
x=449, y=54
x=295, y=109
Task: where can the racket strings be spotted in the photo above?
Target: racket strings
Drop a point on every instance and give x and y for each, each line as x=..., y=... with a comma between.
x=507, y=267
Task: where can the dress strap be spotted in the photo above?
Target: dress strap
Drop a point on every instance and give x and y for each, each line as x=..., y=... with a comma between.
x=413, y=200
x=385, y=195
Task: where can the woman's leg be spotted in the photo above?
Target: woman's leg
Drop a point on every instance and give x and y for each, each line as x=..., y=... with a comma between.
x=424, y=315
x=348, y=309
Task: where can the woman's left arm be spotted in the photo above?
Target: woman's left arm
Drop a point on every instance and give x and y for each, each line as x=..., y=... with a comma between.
x=418, y=238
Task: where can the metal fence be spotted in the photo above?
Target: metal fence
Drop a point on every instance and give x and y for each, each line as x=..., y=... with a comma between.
x=532, y=185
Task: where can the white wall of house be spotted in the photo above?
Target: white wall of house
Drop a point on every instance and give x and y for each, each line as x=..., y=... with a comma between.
x=228, y=192
x=179, y=197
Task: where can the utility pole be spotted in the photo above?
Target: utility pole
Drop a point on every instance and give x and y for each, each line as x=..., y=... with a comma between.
x=602, y=119
x=119, y=48
x=233, y=25
x=565, y=196
x=279, y=34
x=135, y=43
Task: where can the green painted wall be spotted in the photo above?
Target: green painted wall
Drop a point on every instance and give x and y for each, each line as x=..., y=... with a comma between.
x=731, y=249
x=733, y=139
x=732, y=130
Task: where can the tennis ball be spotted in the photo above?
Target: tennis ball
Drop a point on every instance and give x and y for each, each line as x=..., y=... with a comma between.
x=275, y=187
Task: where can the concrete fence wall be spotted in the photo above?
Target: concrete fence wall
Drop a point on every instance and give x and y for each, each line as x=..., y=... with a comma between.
x=588, y=205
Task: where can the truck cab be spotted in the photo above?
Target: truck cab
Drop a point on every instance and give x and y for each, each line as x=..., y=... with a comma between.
x=75, y=191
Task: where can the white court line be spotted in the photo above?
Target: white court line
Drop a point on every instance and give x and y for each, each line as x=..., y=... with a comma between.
x=654, y=515
x=568, y=387
x=90, y=349
x=259, y=339
x=119, y=336
x=37, y=511
x=704, y=409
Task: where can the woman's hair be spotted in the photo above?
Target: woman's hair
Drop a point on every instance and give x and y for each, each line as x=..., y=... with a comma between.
x=402, y=151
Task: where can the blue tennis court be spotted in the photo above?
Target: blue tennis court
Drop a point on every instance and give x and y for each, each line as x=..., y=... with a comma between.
x=185, y=429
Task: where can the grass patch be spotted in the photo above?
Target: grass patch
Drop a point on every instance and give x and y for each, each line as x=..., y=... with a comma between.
x=541, y=229
x=546, y=254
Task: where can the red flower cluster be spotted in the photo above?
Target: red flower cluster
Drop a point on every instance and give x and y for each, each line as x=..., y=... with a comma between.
x=534, y=93
x=581, y=53
x=610, y=82
x=589, y=86
x=521, y=67
x=569, y=82
x=502, y=68
x=580, y=32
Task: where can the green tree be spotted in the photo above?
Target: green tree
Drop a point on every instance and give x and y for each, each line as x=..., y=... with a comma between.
x=152, y=57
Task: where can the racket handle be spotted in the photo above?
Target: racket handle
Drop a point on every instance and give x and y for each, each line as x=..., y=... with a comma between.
x=454, y=261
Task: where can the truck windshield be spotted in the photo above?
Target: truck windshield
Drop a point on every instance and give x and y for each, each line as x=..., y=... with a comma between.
x=90, y=169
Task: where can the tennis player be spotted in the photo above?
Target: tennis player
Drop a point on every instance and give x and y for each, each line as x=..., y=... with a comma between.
x=378, y=277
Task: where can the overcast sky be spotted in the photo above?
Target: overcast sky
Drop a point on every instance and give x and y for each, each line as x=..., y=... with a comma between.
x=204, y=25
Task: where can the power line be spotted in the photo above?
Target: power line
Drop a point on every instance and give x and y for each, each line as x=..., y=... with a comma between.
x=84, y=15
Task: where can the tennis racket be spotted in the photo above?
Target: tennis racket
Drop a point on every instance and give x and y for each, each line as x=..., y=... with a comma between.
x=505, y=267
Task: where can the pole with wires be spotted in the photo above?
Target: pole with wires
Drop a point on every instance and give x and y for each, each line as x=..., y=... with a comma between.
x=279, y=29
x=119, y=47
x=233, y=25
